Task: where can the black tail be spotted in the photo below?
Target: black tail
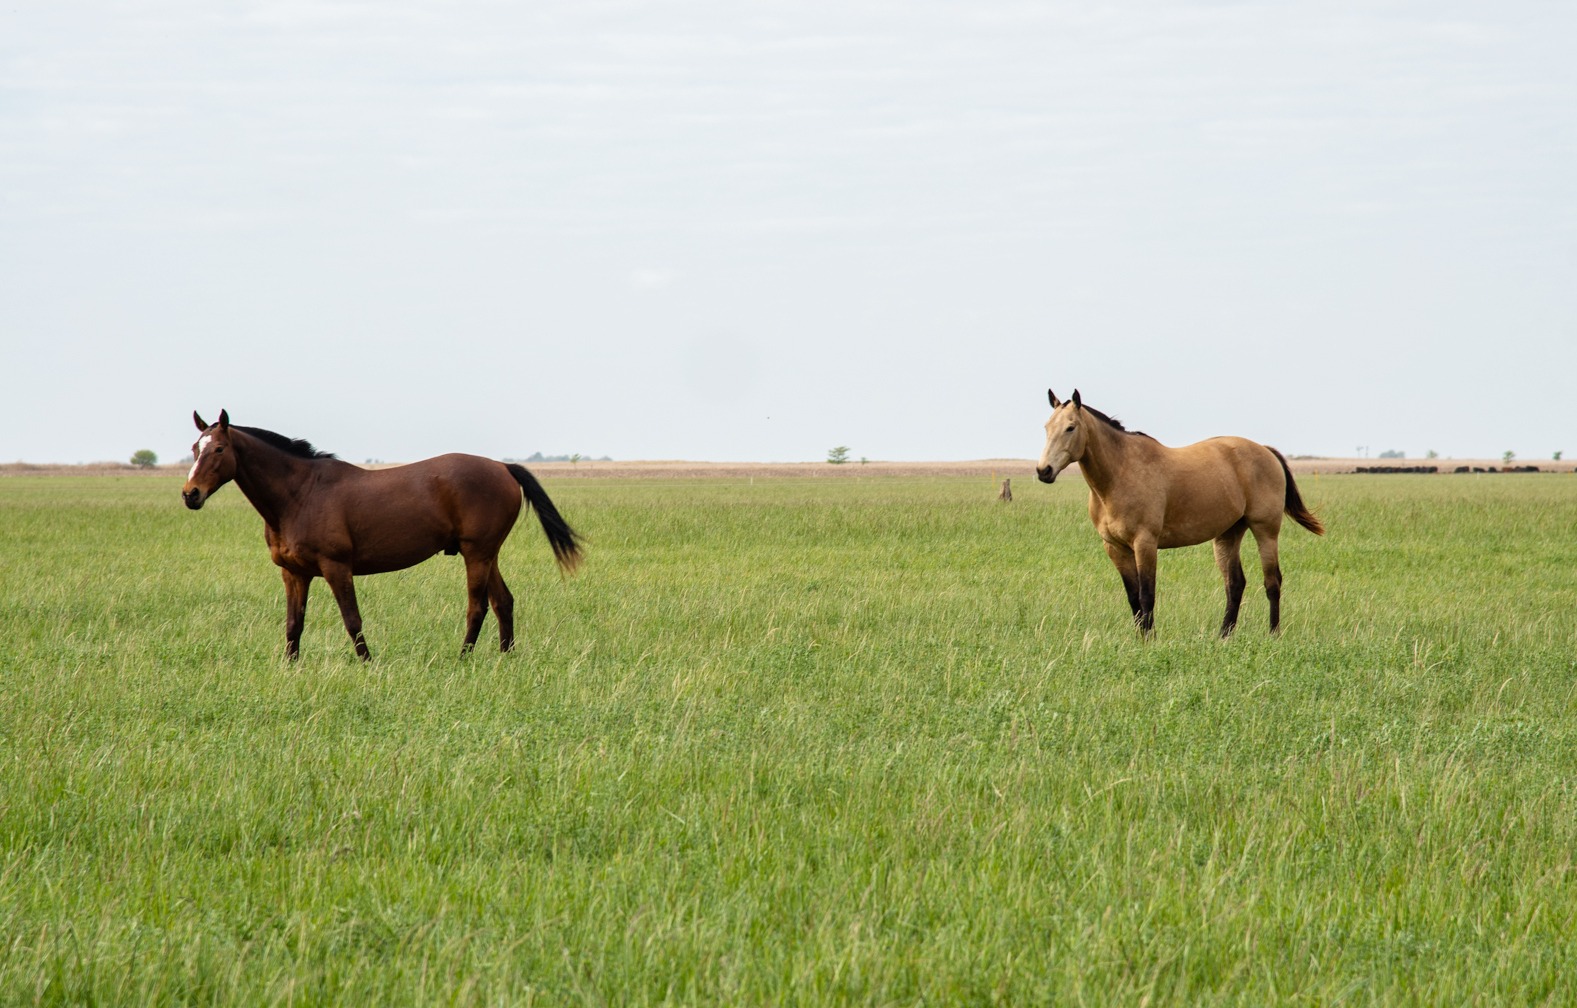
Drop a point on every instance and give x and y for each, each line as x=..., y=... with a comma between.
x=563, y=539
x=1295, y=506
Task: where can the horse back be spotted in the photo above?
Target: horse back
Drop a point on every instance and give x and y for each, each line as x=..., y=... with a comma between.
x=1255, y=470
x=393, y=518
x=1211, y=485
x=462, y=488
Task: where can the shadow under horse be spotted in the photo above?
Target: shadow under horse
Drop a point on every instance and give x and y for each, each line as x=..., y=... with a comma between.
x=1146, y=497
x=326, y=518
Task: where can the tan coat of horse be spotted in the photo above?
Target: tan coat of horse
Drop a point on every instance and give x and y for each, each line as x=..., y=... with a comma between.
x=1146, y=497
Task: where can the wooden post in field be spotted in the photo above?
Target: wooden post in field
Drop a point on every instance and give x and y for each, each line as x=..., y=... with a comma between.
x=1007, y=490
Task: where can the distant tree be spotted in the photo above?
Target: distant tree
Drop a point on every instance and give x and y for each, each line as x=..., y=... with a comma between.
x=142, y=458
x=838, y=455
x=572, y=457
x=1558, y=456
x=1431, y=454
x=1506, y=457
x=1393, y=454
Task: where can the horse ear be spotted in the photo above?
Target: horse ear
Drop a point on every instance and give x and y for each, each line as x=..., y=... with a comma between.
x=1077, y=402
x=202, y=424
x=224, y=420
x=1055, y=402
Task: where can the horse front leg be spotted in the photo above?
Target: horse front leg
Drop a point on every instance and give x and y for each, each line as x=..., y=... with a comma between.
x=1146, y=555
x=296, y=585
x=1123, y=559
x=341, y=584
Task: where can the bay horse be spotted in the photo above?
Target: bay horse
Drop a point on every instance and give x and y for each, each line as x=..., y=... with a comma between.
x=1146, y=497
x=326, y=518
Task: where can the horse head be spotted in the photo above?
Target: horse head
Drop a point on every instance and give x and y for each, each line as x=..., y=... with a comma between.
x=213, y=462
x=1066, y=436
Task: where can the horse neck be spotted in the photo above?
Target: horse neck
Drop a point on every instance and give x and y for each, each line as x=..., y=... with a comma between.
x=271, y=479
x=1106, y=454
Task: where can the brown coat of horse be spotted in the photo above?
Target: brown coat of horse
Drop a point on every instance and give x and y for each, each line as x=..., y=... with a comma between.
x=1146, y=497
x=326, y=518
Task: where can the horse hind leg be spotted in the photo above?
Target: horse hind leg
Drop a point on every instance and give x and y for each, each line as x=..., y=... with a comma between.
x=503, y=601
x=1229, y=548
x=478, y=574
x=1270, y=562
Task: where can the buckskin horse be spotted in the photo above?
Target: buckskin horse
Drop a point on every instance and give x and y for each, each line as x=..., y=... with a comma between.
x=1146, y=497
x=326, y=518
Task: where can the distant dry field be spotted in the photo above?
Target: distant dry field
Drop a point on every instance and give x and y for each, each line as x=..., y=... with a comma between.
x=1019, y=469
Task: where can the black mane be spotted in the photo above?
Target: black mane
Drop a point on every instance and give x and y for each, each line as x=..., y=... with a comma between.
x=1111, y=421
x=291, y=446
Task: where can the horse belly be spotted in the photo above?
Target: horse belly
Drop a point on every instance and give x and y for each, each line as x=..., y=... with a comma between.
x=1191, y=534
x=1194, y=522
x=382, y=563
x=396, y=518
x=395, y=547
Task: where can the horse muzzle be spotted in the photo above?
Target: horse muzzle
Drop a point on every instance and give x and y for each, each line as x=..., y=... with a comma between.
x=194, y=498
x=1046, y=474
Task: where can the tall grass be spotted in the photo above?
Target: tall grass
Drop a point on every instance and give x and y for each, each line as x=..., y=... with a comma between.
x=857, y=741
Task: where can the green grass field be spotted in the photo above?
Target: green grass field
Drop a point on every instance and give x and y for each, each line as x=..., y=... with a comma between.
x=881, y=741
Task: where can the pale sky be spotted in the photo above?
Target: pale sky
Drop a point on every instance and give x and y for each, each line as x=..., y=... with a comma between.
x=753, y=231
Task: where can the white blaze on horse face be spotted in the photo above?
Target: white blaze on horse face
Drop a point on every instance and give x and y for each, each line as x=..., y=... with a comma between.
x=1061, y=442
x=202, y=446
x=1045, y=453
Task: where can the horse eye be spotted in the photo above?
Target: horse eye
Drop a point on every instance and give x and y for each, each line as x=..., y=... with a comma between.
x=1070, y=429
